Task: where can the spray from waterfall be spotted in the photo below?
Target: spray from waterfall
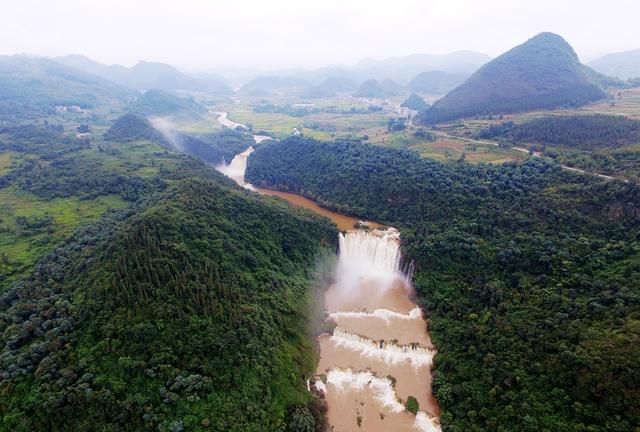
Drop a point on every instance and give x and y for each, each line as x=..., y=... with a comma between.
x=168, y=129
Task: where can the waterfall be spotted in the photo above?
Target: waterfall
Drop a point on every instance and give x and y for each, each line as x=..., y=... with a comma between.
x=384, y=351
x=372, y=287
x=372, y=256
x=382, y=387
x=383, y=314
x=377, y=250
x=236, y=169
x=383, y=391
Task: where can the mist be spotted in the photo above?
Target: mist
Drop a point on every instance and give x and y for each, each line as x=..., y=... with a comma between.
x=168, y=130
x=197, y=35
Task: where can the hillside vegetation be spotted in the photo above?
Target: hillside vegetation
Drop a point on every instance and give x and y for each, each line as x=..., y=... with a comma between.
x=603, y=144
x=132, y=127
x=32, y=87
x=146, y=75
x=161, y=103
x=526, y=271
x=415, y=102
x=576, y=131
x=185, y=311
x=542, y=73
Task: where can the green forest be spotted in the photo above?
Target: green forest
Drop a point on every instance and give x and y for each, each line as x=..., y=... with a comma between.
x=585, y=132
x=604, y=144
x=537, y=327
x=183, y=307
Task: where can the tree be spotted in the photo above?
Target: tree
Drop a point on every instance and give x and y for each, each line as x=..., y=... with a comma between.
x=412, y=405
x=301, y=421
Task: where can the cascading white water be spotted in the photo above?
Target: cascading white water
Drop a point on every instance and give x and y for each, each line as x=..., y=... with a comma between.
x=236, y=169
x=383, y=390
x=385, y=351
x=383, y=314
x=369, y=255
x=370, y=303
x=376, y=250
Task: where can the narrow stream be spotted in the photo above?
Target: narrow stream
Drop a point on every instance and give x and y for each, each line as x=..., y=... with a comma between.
x=380, y=353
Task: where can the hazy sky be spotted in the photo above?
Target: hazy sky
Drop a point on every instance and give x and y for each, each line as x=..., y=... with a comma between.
x=207, y=34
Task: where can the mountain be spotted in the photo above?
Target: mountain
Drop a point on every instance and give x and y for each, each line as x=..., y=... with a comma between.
x=403, y=69
x=415, y=102
x=131, y=127
x=161, y=103
x=318, y=76
x=32, y=86
x=435, y=82
x=331, y=87
x=146, y=75
x=274, y=84
x=542, y=73
x=398, y=69
x=374, y=89
x=623, y=65
x=174, y=314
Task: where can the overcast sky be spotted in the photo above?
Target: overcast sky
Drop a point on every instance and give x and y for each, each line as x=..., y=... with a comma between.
x=200, y=35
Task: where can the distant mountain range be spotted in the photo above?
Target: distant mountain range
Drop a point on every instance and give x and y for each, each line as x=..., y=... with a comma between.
x=399, y=69
x=544, y=72
x=404, y=69
x=623, y=65
x=445, y=72
x=31, y=86
x=273, y=84
x=436, y=82
x=400, y=74
x=147, y=75
x=330, y=87
x=375, y=89
x=160, y=103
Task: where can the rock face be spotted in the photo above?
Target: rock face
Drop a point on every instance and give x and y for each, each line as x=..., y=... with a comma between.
x=544, y=72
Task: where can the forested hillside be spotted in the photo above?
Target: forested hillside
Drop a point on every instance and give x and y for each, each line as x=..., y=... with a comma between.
x=33, y=87
x=599, y=143
x=212, y=148
x=527, y=272
x=584, y=132
x=185, y=310
x=161, y=103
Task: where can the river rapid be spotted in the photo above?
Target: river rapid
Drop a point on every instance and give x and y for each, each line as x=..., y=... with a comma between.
x=380, y=352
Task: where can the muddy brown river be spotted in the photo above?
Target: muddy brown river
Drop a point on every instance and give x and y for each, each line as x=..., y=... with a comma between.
x=380, y=353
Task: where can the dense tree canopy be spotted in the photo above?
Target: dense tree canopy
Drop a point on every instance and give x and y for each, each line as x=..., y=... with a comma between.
x=529, y=274
x=187, y=310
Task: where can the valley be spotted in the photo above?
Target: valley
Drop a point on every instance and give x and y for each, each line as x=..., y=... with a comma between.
x=422, y=243
x=374, y=361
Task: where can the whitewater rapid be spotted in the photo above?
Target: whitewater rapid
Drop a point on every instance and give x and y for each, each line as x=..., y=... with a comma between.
x=379, y=354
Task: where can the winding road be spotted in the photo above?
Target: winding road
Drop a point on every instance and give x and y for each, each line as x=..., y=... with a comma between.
x=534, y=154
